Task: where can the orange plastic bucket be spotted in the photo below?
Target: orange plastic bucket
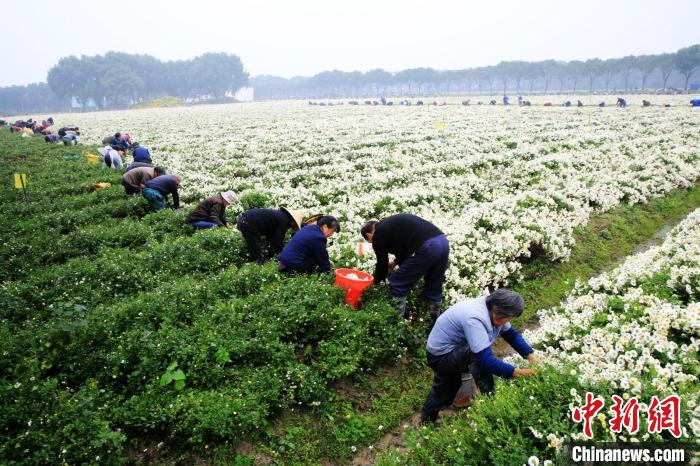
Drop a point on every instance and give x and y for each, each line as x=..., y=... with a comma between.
x=354, y=282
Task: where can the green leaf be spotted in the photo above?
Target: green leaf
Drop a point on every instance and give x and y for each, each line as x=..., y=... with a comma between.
x=178, y=375
x=166, y=378
x=179, y=384
x=172, y=366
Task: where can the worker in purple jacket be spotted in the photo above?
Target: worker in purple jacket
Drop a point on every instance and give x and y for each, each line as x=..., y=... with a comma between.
x=156, y=191
x=461, y=341
x=420, y=249
x=307, y=249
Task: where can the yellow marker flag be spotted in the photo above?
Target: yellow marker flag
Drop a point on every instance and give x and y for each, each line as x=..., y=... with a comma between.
x=20, y=180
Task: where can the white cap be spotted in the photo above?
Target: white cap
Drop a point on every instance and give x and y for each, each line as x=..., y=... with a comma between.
x=229, y=196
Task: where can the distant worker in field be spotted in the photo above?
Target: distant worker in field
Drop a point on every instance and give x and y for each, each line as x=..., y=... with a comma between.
x=272, y=224
x=70, y=139
x=113, y=156
x=142, y=155
x=579, y=103
x=601, y=104
x=646, y=103
x=68, y=130
x=520, y=101
x=622, y=103
x=119, y=140
x=506, y=100
x=461, y=341
x=306, y=251
x=421, y=250
x=693, y=103
x=135, y=180
x=157, y=190
x=211, y=212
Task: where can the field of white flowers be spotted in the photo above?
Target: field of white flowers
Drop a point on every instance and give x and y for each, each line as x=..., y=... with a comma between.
x=501, y=182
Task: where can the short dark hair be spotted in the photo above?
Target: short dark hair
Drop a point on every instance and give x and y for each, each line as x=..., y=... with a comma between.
x=159, y=171
x=367, y=228
x=117, y=135
x=330, y=222
x=505, y=303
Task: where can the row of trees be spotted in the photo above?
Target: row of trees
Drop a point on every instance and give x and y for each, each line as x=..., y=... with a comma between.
x=117, y=79
x=640, y=72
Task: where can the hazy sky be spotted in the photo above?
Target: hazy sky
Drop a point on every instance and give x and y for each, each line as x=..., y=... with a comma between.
x=304, y=37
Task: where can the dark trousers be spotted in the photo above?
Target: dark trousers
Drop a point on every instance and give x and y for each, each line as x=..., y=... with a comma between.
x=253, y=239
x=429, y=261
x=448, y=369
x=308, y=267
x=130, y=190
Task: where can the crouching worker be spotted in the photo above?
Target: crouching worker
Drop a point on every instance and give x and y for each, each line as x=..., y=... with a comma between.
x=307, y=249
x=156, y=191
x=421, y=250
x=211, y=212
x=461, y=342
x=272, y=224
x=135, y=180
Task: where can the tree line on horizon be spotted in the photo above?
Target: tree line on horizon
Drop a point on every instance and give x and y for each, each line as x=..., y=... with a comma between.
x=117, y=80
x=632, y=72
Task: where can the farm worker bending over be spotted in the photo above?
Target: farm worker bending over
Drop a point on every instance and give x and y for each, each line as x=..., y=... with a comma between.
x=112, y=156
x=135, y=180
x=157, y=190
x=622, y=103
x=307, y=249
x=210, y=213
x=421, y=250
x=695, y=103
x=270, y=223
x=142, y=155
x=461, y=342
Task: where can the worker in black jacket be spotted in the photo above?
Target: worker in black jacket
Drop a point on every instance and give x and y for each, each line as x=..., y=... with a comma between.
x=420, y=250
x=270, y=223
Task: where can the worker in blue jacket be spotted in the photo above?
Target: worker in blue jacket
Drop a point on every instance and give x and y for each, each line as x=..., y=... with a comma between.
x=156, y=191
x=307, y=249
x=461, y=341
x=142, y=155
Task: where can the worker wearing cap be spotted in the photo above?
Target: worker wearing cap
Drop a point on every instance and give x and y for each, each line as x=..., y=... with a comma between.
x=272, y=224
x=135, y=180
x=210, y=213
x=420, y=249
x=307, y=249
x=156, y=191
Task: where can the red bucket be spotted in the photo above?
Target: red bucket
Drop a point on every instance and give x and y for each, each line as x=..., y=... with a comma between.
x=354, y=282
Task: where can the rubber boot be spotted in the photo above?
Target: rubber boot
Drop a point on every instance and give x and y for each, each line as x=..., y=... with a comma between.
x=400, y=304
